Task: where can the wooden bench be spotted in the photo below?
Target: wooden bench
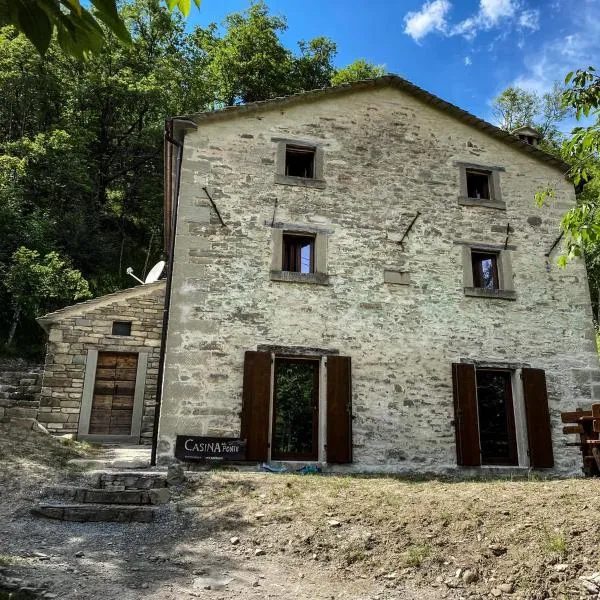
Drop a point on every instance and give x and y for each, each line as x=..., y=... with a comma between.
x=585, y=424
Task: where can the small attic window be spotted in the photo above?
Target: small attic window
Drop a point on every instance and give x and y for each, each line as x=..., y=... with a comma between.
x=478, y=184
x=121, y=328
x=300, y=161
x=529, y=139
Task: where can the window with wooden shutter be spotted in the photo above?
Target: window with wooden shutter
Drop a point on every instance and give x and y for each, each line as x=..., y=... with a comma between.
x=339, y=409
x=538, y=418
x=256, y=401
x=465, y=415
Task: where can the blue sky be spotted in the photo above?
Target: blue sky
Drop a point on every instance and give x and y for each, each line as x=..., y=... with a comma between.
x=465, y=51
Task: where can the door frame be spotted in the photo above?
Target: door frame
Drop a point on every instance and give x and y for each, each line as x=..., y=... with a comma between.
x=511, y=418
x=318, y=422
x=87, y=397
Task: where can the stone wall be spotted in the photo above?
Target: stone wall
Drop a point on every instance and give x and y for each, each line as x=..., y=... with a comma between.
x=387, y=155
x=20, y=386
x=74, y=331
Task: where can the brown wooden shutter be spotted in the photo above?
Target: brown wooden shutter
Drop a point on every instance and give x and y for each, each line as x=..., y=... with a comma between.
x=256, y=401
x=339, y=409
x=468, y=452
x=538, y=418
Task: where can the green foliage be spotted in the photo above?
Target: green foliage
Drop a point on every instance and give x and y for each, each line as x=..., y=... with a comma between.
x=250, y=63
x=79, y=32
x=516, y=107
x=358, y=70
x=81, y=144
x=39, y=284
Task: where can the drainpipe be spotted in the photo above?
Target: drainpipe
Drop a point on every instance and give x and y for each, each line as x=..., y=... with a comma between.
x=171, y=223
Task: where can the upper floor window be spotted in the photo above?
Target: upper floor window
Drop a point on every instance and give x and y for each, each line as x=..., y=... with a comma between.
x=298, y=253
x=480, y=185
x=299, y=161
x=485, y=270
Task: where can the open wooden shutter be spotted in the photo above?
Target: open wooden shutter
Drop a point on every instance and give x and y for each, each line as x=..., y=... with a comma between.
x=256, y=400
x=538, y=418
x=468, y=452
x=339, y=409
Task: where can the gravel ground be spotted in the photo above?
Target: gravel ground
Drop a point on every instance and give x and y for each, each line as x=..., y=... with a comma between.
x=242, y=535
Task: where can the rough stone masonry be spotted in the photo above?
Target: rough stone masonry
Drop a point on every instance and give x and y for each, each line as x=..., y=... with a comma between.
x=399, y=311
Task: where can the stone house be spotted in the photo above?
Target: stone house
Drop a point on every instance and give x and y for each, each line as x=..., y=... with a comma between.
x=361, y=277
x=102, y=364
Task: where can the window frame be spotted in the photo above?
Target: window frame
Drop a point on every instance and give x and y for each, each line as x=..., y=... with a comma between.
x=319, y=275
x=297, y=259
x=317, y=181
x=495, y=200
x=478, y=271
x=505, y=290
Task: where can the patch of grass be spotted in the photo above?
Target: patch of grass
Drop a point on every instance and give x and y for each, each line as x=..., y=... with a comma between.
x=556, y=543
x=416, y=554
x=6, y=560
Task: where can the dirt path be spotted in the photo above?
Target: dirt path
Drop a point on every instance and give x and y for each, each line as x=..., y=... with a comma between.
x=232, y=535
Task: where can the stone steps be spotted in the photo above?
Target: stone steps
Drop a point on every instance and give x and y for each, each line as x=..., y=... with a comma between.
x=129, y=480
x=88, y=513
x=83, y=495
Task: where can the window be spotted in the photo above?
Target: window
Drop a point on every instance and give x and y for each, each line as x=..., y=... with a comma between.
x=298, y=253
x=121, y=328
x=496, y=416
x=478, y=184
x=485, y=270
x=492, y=427
x=299, y=161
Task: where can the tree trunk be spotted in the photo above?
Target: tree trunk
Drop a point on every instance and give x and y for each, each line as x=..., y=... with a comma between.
x=13, y=326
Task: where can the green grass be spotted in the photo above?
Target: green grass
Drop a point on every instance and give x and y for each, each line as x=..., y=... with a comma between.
x=416, y=554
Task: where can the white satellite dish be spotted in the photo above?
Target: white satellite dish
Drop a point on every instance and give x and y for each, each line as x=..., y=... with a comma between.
x=153, y=275
x=155, y=272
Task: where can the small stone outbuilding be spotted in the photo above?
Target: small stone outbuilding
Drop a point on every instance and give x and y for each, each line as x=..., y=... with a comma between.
x=102, y=365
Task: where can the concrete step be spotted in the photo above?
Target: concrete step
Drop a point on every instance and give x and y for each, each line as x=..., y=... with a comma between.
x=116, y=457
x=83, y=495
x=85, y=513
x=129, y=480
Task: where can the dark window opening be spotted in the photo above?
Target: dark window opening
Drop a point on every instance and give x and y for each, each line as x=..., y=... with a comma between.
x=295, y=410
x=300, y=161
x=485, y=270
x=121, y=328
x=298, y=253
x=478, y=184
x=496, y=418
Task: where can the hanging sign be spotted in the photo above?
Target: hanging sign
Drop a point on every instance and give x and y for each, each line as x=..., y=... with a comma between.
x=192, y=447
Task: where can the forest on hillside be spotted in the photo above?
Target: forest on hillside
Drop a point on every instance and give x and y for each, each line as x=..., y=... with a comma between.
x=81, y=149
x=81, y=146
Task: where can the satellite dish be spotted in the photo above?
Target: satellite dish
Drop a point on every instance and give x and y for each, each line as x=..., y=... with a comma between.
x=155, y=272
x=153, y=275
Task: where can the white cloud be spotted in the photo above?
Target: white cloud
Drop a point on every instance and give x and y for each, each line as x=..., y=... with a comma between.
x=431, y=17
x=495, y=10
x=578, y=48
x=530, y=19
x=468, y=61
x=505, y=14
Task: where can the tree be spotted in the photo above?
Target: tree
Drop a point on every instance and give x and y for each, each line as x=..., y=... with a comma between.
x=356, y=71
x=250, y=63
x=79, y=32
x=39, y=284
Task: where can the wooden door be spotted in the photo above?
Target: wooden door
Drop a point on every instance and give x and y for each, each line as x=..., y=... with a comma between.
x=114, y=390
